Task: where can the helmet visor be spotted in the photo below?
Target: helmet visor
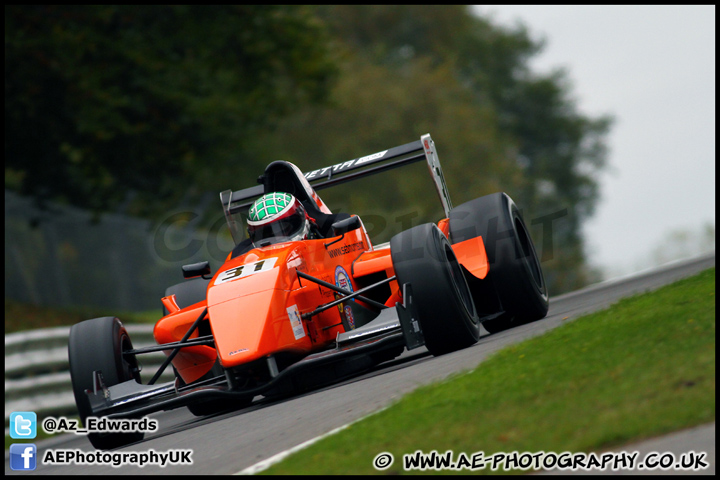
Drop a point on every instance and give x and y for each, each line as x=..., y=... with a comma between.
x=285, y=229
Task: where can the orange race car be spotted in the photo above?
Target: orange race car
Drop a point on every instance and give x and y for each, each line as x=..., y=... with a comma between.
x=307, y=298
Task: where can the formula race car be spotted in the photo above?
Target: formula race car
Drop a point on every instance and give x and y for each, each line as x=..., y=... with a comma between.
x=307, y=299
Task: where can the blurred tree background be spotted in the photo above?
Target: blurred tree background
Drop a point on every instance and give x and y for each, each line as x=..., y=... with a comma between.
x=136, y=110
x=114, y=105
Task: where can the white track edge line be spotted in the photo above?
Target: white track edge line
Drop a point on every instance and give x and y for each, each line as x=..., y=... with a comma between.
x=278, y=457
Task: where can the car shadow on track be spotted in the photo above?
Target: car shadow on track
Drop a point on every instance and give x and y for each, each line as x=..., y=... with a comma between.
x=188, y=422
x=405, y=360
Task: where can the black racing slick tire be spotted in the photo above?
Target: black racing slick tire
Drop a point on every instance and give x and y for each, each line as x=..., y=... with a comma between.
x=211, y=407
x=423, y=257
x=514, y=269
x=188, y=292
x=98, y=344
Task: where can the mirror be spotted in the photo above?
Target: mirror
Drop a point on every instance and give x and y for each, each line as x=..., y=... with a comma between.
x=344, y=226
x=196, y=270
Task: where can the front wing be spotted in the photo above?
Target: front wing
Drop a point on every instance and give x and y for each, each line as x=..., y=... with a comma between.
x=394, y=327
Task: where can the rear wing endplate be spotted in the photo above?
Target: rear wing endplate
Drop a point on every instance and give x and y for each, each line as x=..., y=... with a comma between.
x=370, y=164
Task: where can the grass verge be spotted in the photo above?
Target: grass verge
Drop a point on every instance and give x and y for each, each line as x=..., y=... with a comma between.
x=22, y=316
x=643, y=367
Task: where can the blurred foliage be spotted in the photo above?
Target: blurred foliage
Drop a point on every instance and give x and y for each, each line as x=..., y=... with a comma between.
x=139, y=109
x=106, y=105
x=409, y=70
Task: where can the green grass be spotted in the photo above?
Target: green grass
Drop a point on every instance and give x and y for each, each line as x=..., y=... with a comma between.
x=21, y=316
x=644, y=367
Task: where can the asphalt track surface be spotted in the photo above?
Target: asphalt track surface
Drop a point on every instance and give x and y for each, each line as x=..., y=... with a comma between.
x=228, y=443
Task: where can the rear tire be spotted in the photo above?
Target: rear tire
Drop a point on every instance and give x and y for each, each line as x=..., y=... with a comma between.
x=515, y=270
x=210, y=407
x=423, y=257
x=188, y=292
x=98, y=344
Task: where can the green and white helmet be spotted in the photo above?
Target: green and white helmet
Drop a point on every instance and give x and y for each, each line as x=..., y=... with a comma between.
x=277, y=217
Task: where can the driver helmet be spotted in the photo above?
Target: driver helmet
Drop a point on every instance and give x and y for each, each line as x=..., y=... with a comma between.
x=277, y=217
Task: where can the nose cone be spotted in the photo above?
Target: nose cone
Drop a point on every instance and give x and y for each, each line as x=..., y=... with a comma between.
x=253, y=316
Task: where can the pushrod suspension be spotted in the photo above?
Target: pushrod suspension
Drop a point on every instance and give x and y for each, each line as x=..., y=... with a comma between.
x=175, y=351
x=347, y=294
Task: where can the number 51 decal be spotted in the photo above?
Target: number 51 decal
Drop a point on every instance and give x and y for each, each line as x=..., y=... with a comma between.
x=245, y=270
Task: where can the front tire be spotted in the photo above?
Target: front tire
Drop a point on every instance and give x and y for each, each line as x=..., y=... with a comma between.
x=98, y=344
x=423, y=257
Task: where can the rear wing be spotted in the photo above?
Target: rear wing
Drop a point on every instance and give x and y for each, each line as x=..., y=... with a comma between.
x=423, y=149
